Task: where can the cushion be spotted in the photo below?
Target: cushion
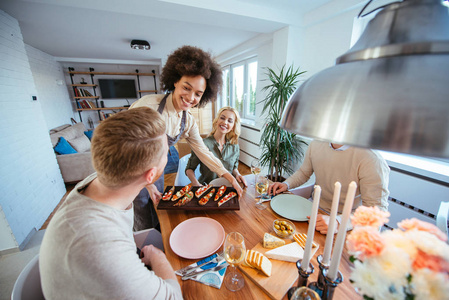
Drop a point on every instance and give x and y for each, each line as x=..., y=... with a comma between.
x=63, y=147
x=80, y=144
x=69, y=133
x=89, y=134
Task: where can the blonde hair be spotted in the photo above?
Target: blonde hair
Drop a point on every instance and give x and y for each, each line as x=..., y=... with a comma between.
x=233, y=135
x=127, y=144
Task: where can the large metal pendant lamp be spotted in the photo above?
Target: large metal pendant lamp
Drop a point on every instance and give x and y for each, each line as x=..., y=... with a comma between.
x=390, y=91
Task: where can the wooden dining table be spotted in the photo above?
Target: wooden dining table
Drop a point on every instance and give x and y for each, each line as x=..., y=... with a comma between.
x=252, y=223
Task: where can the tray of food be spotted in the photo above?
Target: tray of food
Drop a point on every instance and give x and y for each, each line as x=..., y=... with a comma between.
x=206, y=197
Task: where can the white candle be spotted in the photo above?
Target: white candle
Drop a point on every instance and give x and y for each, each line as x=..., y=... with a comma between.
x=308, y=247
x=331, y=226
x=339, y=242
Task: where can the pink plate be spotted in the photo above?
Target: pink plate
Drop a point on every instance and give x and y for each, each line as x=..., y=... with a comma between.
x=197, y=238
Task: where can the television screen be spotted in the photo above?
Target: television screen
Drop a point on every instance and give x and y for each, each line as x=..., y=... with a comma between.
x=117, y=88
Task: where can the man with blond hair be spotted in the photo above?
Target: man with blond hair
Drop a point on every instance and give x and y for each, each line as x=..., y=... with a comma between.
x=88, y=250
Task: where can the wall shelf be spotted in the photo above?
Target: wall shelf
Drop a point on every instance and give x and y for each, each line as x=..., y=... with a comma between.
x=82, y=96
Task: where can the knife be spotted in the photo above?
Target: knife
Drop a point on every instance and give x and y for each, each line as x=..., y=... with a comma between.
x=193, y=274
x=217, y=260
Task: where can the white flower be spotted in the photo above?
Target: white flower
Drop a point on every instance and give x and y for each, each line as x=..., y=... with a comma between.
x=370, y=283
x=429, y=243
x=430, y=285
x=393, y=265
x=398, y=239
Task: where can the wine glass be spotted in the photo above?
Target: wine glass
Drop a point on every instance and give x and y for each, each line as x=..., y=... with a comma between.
x=234, y=252
x=261, y=188
x=255, y=168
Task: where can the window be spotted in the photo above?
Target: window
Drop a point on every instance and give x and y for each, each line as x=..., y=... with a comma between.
x=239, y=87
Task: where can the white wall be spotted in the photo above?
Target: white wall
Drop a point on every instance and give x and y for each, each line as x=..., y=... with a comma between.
x=32, y=184
x=51, y=87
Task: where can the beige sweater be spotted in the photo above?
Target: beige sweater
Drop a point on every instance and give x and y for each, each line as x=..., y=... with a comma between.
x=364, y=166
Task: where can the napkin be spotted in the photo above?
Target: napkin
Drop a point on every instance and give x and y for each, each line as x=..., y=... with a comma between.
x=211, y=278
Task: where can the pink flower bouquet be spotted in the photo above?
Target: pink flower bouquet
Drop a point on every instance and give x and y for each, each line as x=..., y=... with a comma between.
x=411, y=262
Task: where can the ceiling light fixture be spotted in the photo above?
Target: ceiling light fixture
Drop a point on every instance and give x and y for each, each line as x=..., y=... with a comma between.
x=389, y=91
x=140, y=44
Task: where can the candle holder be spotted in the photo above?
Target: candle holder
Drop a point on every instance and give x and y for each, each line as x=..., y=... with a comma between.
x=303, y=275
x=330, y=285
x=318, y=286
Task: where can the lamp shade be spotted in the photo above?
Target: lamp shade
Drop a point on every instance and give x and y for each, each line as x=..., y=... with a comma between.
x=390, y=91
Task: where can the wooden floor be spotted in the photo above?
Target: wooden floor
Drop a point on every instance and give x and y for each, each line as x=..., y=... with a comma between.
x=169, y=179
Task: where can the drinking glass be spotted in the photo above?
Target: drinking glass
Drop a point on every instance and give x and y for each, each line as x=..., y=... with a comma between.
x=234, y=252
x=261, y=188
x=255, y=168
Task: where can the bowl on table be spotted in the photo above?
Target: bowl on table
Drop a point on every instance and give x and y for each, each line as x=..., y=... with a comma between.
x=283, y=228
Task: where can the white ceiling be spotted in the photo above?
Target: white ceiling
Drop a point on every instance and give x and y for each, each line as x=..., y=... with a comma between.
x=103, y=29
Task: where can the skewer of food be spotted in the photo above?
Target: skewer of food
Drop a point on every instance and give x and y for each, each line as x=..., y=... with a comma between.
x=227, y=198
x=187, y=198
x=182, y=192
x=168, y=194
x=206, y=198
x=202, y=190
x=220, y=192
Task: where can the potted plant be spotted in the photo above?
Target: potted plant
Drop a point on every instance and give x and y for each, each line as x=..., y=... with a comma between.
x=280, y=148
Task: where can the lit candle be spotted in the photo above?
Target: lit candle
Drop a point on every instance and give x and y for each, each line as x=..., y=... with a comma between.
x=339, y=242
x=308, y=247
x=331, y=226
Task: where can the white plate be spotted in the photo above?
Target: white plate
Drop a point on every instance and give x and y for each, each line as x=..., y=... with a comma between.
x=291, y=207
x=197, y=238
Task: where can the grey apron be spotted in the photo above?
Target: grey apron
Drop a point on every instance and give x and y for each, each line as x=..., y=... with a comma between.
x=144, y=213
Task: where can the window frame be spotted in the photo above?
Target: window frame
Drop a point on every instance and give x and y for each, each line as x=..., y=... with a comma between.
x=228, y=95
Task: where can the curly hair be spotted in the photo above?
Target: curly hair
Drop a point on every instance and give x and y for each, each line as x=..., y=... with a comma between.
x=192, y=61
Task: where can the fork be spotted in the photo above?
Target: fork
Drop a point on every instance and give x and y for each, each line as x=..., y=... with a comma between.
x=188, y=269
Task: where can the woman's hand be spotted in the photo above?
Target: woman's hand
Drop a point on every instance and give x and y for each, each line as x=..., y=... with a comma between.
x=239, y=177
x=191, y=174
x=155, y=195
x=234, y=183
x=277, y=188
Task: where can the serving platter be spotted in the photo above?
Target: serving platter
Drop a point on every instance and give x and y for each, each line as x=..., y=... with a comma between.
x=232, y=204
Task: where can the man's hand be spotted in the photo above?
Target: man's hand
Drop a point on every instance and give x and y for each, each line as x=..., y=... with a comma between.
x=155, y=195
x=156, y=259
x=277, y=188
x=322, y=224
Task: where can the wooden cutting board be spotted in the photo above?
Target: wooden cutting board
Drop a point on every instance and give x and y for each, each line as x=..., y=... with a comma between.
x=283, y=274
x=232, y=204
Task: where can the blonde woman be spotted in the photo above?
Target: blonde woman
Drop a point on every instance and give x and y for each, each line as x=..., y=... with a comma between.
x=223, y=143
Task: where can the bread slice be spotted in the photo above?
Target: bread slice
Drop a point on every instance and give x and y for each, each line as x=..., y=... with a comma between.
x=257, y=260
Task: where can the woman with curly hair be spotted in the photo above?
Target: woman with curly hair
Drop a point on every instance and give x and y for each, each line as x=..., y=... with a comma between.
x=192, y=78
x=223, y=142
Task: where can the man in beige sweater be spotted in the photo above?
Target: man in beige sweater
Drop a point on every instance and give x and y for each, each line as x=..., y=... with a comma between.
x=331, y=163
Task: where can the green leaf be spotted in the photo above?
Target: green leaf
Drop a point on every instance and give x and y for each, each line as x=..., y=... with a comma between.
x=279, y=147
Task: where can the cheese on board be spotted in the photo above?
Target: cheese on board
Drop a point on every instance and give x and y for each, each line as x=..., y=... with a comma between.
x=291, y=252
x=271, y=241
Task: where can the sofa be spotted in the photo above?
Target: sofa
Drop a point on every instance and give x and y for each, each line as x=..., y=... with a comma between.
x=72, y=139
